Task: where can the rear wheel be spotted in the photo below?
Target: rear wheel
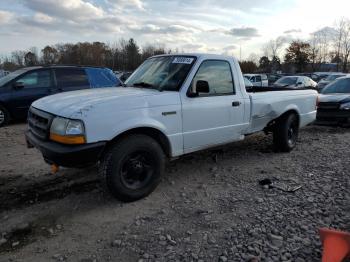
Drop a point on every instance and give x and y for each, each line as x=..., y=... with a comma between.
x=286, y=131
x=132, y=168
x=4, y=116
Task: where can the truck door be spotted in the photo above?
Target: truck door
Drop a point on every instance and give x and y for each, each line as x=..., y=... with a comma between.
x=215, y=117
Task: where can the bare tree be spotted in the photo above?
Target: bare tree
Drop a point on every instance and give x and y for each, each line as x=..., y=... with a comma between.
x=273, y=47
x=346, y=44
x=340, y=28
x=254, y=58
x=18, y=57
x=320, y=42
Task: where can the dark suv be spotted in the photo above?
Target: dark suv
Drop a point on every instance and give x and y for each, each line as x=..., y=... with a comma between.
x=22, y=87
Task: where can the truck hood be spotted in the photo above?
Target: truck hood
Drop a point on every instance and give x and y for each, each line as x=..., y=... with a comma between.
x=342, y=98
x=70, y=103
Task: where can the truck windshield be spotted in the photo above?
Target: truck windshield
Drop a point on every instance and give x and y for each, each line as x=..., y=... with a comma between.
x=162, y=73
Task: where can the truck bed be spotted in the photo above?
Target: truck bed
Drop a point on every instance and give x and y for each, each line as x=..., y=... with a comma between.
x=266, y=106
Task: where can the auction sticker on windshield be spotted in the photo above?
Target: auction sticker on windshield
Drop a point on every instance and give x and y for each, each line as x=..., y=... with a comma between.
x=182, y=60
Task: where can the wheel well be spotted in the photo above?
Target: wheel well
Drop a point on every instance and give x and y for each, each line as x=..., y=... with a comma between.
x=149, y=131
x=291, y=111
x=271, y=124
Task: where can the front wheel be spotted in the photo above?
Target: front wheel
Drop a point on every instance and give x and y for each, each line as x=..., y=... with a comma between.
x=4, y=116
x=286, y=131
x=132, y=168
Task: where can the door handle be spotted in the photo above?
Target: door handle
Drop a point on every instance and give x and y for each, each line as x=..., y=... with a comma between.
x=236, y=103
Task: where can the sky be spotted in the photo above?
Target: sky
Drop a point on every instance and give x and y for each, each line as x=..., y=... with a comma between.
x=212, y=26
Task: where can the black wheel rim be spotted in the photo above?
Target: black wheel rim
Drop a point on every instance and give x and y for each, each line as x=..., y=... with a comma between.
x=292, y=133
x=137, y=170
x=2, y=117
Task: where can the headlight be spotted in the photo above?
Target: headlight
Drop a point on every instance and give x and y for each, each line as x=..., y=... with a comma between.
x=345, y=106
x=67, y=131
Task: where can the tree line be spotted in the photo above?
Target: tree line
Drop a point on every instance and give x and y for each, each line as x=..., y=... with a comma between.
x=124, y=55
x=329, y=45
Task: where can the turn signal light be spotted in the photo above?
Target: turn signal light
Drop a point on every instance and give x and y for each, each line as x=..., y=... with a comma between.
x=69, y=140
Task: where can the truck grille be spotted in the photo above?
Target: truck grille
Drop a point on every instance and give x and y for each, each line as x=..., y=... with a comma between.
x=39, y=123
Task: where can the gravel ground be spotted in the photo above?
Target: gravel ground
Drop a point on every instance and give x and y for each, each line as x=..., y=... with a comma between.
x=209, y=206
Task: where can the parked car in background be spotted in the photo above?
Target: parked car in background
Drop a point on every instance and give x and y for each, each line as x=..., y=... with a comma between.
x=321, y=75
x=328, y=80
x=296, y=82
x=313, y=76
x=272, y=78
x=3, y=73
x=334, y=103
x=247, y=83
x=22, y=87
x=257, y=79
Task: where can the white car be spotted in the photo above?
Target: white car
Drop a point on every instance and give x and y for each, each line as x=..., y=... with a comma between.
x=171, y=105
x=258, y=79
x=295, y=82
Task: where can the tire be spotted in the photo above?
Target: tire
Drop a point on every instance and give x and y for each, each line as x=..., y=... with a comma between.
x=132, y=168
x=285, y=133
x=4, y=116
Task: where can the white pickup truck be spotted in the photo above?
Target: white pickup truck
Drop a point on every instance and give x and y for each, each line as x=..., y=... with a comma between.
x=170, y=106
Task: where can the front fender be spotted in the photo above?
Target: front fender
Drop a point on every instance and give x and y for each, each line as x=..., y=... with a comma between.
x=129, y=124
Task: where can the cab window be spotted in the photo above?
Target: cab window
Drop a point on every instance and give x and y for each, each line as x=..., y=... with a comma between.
x=218, y=75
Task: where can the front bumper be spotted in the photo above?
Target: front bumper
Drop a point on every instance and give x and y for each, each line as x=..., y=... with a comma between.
x=66, y=155
x=333, y=117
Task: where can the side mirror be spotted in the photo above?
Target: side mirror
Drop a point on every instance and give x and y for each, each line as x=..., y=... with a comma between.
x=299, y=83
x=18, y=85
x=202, y=86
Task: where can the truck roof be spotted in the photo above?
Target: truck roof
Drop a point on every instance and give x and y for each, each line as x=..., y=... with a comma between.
x=200, y=55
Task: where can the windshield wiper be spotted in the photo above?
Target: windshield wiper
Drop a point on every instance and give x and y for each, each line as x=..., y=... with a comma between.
x=144, y=84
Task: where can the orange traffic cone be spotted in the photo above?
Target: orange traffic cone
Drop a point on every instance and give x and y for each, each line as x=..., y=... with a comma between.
x=336, y=245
